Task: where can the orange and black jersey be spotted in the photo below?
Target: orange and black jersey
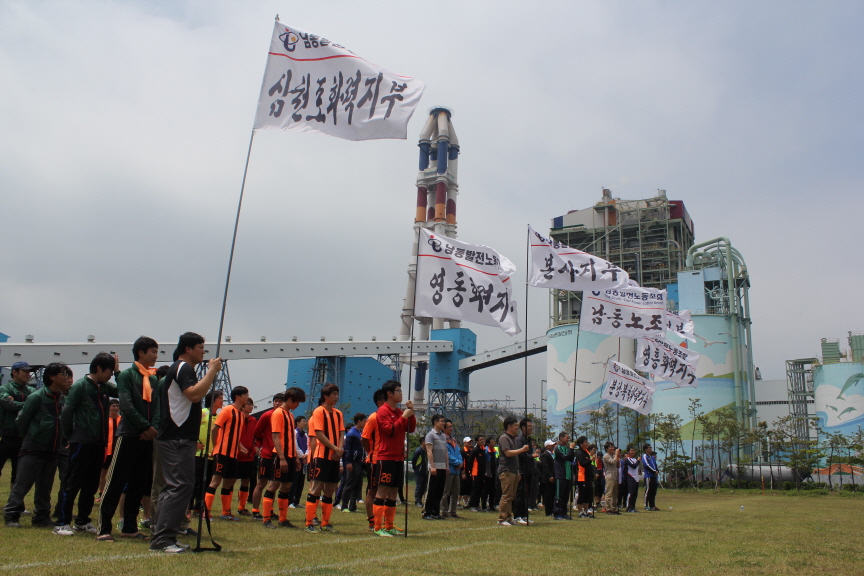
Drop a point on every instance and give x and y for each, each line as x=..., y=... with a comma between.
x=282, y=421
x=370, y=432
x=331, y=423
x=231, y=423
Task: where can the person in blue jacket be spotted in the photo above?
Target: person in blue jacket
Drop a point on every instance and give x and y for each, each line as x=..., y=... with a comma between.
x=450, y=499
x=649, y=469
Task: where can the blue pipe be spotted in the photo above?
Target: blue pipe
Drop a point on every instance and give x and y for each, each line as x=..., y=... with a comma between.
x=442, y=156
x=424, y=155
x=420, y=376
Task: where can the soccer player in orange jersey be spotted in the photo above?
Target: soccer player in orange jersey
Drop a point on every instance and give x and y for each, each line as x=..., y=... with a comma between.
x=285, y=462
x=329, y=427
x=393, y=424
x=370, y=445
x=227, y=430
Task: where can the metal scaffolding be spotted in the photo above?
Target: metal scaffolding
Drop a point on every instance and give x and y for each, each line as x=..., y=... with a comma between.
x=799, y=380
x=325, y=371
x=641, y=236
x=221, y=382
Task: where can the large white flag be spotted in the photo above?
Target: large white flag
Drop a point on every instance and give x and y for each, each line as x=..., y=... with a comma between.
x=681, y=324
x=314, y=85
x=625, y=387
x=460, y=281
x=555, y=265
x=663, y=358
x=631, y=312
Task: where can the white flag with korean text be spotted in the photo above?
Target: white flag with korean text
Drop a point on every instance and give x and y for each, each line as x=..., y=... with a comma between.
x=681, y=324
x=627, y=388
x=312, y=84
x=630, y=312
x=460, y=281
x=667, y=360
x=555, y=265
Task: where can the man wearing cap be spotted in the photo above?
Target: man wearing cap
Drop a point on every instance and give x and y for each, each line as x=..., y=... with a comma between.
x=465, y=484
x=12, y=397
x=547, y=476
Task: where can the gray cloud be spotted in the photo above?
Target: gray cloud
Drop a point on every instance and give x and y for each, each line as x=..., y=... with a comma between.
x=125, y=128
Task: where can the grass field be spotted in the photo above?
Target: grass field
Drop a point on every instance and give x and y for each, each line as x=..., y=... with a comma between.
x=694, y=533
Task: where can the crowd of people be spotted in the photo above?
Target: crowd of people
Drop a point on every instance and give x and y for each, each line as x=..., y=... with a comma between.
x=147, y=445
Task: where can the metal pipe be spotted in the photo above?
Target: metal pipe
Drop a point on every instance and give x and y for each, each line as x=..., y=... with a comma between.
x=422, y=199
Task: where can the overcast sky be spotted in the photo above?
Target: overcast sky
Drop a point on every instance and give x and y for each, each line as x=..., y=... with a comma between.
x=124, y=128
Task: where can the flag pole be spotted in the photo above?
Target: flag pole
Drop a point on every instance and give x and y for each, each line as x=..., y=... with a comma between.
x=525, y=351
x=573, y=410
x=411, y=366
x=206, y=512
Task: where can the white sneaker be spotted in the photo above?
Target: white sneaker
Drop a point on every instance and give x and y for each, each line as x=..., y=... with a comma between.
x=504, y=523
x=174, y=549
x=26, y=513
x=85, y=528
x=521, y=521
x=65, y=530
x=292, y=506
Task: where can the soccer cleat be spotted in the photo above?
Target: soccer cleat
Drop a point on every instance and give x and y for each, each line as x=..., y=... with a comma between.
x=269, y=524
x=348, y=511
x=229, y=517
x=310, y=529
x=256, y=516
x=244, y=512
x=396, y=531
x=13, y=524
x=327, y=528
x=383, y=533
x=315, y=521
x=65, y=530
x=286, y=524
x=145, y=524
x=85, y=528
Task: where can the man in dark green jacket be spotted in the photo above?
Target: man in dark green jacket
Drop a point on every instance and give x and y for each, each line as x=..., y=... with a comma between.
x=38, y=422
x=132, y=465
x=12, y=397
x=85, y=425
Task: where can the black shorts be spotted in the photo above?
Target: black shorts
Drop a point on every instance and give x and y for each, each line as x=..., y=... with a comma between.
x=325, y=470
x=265, y=467
x=372, y=474
x=391, y=473
x=586, y=493
x=276, y=474
x=107, y=463
x=246, y=470
x=225, y=466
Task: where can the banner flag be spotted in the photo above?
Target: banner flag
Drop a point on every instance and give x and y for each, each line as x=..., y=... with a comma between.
x=666, y=359
x=460, y=281
x=314, y=85
x=625, y=387
x=681, y=324
x=631, y=312
x=555, y=265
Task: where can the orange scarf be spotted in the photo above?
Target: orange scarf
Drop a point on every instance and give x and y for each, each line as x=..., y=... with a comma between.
x=145, y=380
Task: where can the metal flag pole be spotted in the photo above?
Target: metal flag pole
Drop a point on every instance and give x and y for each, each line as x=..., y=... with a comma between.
x=525, y=351
x=573, y=410
x=205, y=512
x=411, y=368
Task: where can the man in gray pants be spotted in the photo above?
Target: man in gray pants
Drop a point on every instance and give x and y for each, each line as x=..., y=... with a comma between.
x=179, y=425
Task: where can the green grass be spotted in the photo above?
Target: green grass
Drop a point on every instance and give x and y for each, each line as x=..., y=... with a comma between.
x=694, y=533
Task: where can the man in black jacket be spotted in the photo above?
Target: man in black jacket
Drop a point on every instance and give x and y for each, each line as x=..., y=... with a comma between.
x=476, y=468
x=547, y=476
x=85, y=425
x=584, y=477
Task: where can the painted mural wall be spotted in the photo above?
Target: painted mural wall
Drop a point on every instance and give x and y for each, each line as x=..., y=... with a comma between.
x=838, y=391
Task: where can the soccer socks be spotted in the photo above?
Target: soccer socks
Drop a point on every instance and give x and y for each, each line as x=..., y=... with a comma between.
x=209, y=496
x=389, y=513
x=243, y=494
x=326, y=509
x=267, y=500
x=283, y=506
x=226, y=500
x=378, y=507
x=311, y=507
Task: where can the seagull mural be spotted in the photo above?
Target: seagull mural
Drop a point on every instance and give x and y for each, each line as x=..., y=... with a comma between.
x=709, y=343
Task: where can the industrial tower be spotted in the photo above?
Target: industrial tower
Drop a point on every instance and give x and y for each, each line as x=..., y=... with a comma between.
x=437, y=189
